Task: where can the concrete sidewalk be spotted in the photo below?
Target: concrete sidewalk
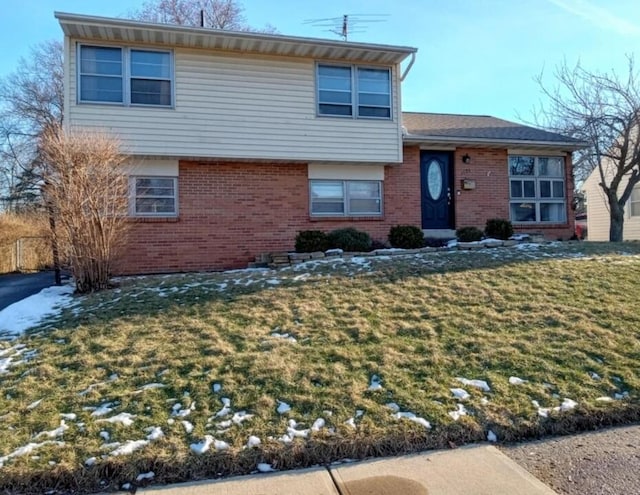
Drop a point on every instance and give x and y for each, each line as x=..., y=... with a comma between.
x=473, y=470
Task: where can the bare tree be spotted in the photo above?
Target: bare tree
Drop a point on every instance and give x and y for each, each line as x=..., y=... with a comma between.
x=86, y=188
x=603, y=110
x=31, y=100
x=215, y=14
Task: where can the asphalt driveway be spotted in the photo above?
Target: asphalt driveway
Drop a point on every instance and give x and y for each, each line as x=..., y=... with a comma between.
x=15, y=287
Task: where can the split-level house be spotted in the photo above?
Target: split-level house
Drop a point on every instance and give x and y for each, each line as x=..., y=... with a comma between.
x=240, y=140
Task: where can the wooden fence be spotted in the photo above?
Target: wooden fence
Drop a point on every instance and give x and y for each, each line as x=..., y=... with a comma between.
x=25, y=255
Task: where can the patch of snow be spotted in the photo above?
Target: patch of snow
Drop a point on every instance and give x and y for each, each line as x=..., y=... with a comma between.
x=253, y=442
x=375, y=383
x=101, y=410
x=460, y=393
x=129, y=447
x=105, y=435
x=203, y=446
x=484, y=401
x=350, y=422
x=126, y=486
x=90, y=461
x=283, y=407
x=295, y=433
x=145, y=476
x=150, y=386
x=452, y=243
x=182, y=413
x=481, y=384
x=604, y=399
x=359, y=412
x=188, y=427
x=594, y=375
x=456, y=415
x=263, y=467
x=27, y=449
x=69, y=416
x=241, y=416
x=57, y=432
x=273, y=281
x=412, y=417
x=568, y=404
x=154, y=433
x=284, y=336
x=491, y=436
x=393, y=406
x=621, y=396
x=31, y=311
x=217, y=387
x=125, y=419
x=33, y=405
x=514, y=380
x=318, y=424
x=226, y=408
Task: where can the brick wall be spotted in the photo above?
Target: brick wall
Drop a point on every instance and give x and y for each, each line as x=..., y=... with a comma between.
x=230, y=212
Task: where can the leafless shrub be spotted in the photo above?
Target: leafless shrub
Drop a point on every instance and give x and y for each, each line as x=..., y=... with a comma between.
x=86, y=188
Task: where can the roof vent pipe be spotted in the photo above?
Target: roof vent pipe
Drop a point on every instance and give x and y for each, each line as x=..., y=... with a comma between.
x=202, y=18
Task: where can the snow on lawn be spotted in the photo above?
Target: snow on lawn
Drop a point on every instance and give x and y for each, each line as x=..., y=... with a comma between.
x=57, y=432
x=29, y=312
x=375, y=384
x=8, y=356
x=27, y=449
x=412, y=417
x=202, y=447
x=481, y=384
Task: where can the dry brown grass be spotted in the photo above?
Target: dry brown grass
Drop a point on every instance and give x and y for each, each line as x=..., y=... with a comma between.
x=33, y=228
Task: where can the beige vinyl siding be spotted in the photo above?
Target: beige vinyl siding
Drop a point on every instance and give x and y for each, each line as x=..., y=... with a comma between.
x=243, y=107
x=598, y=212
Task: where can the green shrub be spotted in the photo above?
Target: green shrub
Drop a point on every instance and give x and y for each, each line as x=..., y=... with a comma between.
x=349, y=239
x=498, y=228
x=309, y=241
x=406, y=237
x=468, y=234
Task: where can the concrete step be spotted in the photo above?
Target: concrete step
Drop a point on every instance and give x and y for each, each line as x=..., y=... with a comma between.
x=439, y=233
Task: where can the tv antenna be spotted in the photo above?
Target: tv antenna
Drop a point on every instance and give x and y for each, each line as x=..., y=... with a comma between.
x=347, y=24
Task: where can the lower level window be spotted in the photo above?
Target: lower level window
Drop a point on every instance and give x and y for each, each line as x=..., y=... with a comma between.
x=346, y=197
x=635, y=202
x=537, y=189
x=154, y=196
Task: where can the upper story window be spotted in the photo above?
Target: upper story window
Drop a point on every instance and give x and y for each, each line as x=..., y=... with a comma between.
x=537, y=189
x=354, y=91
x=124, y=75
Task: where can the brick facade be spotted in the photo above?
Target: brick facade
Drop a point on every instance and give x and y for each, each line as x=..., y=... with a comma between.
x=230, y=212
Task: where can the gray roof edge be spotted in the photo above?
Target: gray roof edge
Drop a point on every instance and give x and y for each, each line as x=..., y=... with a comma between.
x=418, y=138
x=130, y=23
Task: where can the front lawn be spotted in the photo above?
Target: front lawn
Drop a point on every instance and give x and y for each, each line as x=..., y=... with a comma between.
x=328, y=360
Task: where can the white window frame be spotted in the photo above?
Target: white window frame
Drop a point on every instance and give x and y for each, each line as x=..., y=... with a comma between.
x=634, y=200
x=537, y=199
x=133, y=196
x=355, y=92
x=126, y=76
x=345, y=199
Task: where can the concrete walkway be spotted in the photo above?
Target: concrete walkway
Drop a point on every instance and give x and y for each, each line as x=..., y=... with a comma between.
x=473, y=470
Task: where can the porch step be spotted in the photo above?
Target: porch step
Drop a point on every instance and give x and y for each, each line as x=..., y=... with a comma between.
x=439, y=233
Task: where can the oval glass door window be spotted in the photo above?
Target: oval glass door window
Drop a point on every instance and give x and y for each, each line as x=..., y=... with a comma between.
x=434, y=179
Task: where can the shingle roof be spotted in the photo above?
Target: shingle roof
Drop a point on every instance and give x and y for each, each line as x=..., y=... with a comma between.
x=473, y=127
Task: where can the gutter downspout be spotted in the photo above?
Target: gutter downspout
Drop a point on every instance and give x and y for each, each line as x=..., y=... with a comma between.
x=408, y=68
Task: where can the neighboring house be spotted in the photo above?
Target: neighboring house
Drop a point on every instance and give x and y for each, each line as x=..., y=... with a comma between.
x=240, y=140
x=598, y=220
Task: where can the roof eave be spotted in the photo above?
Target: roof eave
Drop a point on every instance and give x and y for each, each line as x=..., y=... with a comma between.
x=463, y=141
x=268, y=43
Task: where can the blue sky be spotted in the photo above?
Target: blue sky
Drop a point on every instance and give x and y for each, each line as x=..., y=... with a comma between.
x=474, y=56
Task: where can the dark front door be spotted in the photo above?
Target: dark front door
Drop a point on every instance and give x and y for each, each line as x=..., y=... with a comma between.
x=436, y=182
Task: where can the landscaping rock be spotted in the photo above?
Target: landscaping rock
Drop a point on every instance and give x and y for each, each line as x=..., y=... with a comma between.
x=469, y=245
x=317, y=255
x=300, y=256
x=509, y=243
x=333, y=252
